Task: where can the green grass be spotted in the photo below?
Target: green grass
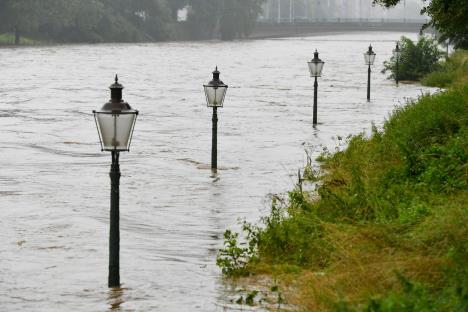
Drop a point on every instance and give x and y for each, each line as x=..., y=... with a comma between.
x=452, y=71
x=9, y=39
x=389, y=211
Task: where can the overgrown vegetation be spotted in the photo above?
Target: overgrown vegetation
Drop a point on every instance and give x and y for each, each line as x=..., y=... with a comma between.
x=7, y=39
x=126, y=20
x=448, y=17
x=454, y=70
x=385, y=228
x=416, y=59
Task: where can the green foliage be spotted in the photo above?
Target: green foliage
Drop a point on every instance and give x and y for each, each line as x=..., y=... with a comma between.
x=90, y=20
x=416, y=60
x=293, y=235
x=200, y=20
x=127, y=20
x=8, y=39
x=234, y=258
x=413, y=298
x=417, y=297
x=229, y=19
x=448, y=17
x=454, y=70
x=398, y=194
x=239, y=17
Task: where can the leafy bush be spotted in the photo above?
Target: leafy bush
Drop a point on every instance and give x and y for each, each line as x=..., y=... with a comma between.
x=416, y=60
x=293, y=234
x=236, y=255
x=451, y=71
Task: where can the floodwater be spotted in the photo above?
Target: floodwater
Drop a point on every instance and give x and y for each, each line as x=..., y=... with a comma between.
x=54, y=182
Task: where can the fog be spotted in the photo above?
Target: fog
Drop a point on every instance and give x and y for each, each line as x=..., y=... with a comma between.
x=340, y=11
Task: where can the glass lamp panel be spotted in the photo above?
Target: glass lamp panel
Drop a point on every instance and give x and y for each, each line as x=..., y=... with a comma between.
x=369, y=58
x=115, y=130
x=366, y=58
x=312, y=69
x=396, y=54
x=316, y=69
x=320, y=68
x=215, y=95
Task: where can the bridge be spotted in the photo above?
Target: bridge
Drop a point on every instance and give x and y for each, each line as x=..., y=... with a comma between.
x=340, y=11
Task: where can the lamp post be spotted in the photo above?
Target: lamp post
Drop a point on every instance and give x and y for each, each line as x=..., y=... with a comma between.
x=397, y=54
x=369, y=58
x=315, y=68
x=115, y=123
x=215, y=91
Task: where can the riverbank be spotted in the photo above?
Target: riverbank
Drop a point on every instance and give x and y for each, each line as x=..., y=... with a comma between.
x=275, y=30
x=261, y=31
x=9, y=40
x=382, y=226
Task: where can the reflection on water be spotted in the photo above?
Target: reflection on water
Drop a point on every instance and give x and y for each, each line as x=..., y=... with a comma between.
x=54, y=182
x=115, y=298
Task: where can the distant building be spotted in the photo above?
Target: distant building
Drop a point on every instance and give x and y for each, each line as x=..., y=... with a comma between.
x=288, y=11
x=182, y=14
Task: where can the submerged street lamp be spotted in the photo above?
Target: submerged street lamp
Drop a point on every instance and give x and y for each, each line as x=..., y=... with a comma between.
x=115, y=123
x=215, y=91
x=369, y=58
x=397, y=54
x=315, y=68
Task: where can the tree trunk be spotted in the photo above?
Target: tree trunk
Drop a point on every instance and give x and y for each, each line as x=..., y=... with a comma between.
x=17, y=36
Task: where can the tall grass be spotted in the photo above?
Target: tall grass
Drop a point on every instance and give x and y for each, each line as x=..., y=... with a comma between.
x=9, y=39
x=390, y=208
x=452, y=71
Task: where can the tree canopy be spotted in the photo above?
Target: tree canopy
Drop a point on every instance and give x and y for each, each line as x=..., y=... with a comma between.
x=448, y=17
x=127, y=20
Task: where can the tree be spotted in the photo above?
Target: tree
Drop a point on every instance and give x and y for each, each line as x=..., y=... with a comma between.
x=416, y=59
x=448, y=17
x=231, y=18
x=203, y=18
x=20, y=16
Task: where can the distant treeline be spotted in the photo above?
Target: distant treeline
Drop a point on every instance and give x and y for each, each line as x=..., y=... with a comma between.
x=127, y=20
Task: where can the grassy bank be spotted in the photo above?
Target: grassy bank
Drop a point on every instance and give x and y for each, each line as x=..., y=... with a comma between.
x=452, y=71
x=9, y=39
x=385, y=228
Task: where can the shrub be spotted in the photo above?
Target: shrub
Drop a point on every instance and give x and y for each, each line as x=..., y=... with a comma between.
x=416, y=60
x=451, y=71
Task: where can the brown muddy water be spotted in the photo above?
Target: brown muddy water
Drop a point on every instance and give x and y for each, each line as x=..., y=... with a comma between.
x=54, y=182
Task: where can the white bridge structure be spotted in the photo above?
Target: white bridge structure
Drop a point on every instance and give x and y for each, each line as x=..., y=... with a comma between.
x=336, y=11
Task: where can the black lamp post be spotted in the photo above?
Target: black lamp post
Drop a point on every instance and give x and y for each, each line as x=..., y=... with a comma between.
x=115, y=123
x=369, y=58
x=215, y=91
x=397, y=54
x=315, y=68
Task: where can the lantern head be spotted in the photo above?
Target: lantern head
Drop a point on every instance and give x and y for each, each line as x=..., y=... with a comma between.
x=369, y=56
x=115, y=121
x=215, y=91
x=316, y=66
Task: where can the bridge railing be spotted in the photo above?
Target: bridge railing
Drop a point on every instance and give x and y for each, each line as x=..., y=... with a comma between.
x=345, y=20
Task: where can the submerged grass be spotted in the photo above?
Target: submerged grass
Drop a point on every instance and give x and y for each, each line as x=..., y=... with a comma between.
x=386, y=223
